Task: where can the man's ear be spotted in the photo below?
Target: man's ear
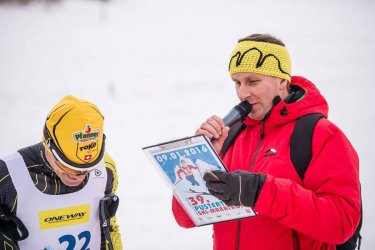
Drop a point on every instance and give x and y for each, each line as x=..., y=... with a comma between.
x=283, y=84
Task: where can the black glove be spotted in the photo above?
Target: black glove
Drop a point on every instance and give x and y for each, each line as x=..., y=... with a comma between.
x=109, y=205
x=107, y=209
x=237, y=188
x=11, y=230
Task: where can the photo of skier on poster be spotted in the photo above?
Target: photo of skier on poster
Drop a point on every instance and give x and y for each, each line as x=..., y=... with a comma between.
x=186, y=171
x=188, y=175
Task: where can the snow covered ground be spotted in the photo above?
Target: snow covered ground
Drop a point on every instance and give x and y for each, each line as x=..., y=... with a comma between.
x=158, y=68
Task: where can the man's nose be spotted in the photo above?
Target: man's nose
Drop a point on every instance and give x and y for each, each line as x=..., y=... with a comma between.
x=243, y=93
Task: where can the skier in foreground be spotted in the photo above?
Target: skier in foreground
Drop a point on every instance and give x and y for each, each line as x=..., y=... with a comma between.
x=51, y=192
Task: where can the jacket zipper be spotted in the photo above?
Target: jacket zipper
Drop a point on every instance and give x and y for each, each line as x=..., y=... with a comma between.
x=258, y=147
x=296, y=245
x=237, y=246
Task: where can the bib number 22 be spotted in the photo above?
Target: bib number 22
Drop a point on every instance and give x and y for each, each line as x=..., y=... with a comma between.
x=72, y=240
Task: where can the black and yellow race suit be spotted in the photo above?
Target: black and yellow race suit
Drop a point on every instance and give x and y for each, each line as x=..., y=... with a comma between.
x=46, y=180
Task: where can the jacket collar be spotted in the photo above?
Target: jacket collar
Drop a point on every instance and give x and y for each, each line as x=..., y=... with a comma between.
x=312, y=102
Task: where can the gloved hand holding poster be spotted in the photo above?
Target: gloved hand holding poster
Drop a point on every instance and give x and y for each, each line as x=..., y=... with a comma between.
x=183, y=163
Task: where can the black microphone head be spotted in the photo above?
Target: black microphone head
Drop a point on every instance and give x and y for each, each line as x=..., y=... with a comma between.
x=237, y=114
x=244, y=108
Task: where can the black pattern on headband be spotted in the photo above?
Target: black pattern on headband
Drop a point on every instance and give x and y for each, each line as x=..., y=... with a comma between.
x=260, y=62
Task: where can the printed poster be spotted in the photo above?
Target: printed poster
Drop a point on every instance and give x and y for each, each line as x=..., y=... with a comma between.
x=183, y=163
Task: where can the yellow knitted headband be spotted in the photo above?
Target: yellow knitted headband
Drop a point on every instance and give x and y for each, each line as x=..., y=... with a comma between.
x=262, y=58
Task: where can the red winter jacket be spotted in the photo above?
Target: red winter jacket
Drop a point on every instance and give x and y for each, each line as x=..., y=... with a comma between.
x=317, y=213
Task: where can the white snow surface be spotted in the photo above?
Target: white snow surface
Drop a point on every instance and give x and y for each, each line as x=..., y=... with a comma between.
x=158, y=69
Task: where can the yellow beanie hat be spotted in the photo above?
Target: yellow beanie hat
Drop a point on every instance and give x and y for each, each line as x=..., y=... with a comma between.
x=262, y=58
x=73, y=133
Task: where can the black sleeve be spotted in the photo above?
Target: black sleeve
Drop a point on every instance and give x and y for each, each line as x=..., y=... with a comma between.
x=8, y=192
x=7, y=202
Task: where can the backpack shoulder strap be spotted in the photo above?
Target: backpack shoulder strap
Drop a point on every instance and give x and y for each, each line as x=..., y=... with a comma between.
x=301, y=142
x=234, y=131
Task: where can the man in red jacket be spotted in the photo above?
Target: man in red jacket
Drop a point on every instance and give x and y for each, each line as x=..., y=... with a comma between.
x=318, y=212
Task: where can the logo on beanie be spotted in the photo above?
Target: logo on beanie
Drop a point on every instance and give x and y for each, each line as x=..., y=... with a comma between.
x=88, y=134
x=87, y=143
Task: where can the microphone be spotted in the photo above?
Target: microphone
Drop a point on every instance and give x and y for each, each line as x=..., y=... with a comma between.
x=237, y=114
